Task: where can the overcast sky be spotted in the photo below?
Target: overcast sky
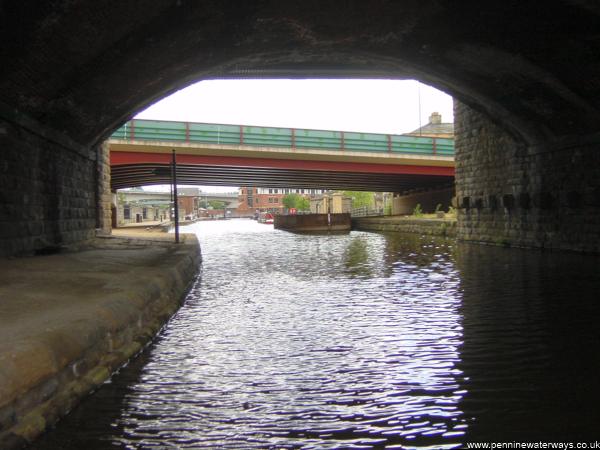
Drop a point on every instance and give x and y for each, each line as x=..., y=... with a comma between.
x=378, y=106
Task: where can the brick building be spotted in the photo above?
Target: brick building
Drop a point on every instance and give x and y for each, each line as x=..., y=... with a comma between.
x=252, y=199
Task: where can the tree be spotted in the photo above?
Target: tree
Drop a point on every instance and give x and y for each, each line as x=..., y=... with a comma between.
x=303, y=204
x=216, y=204
x=360, y=198
x=290, y=200
x=297, y=201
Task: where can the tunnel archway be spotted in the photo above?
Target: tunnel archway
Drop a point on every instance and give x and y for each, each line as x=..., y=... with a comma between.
x=89, y=67
x=525, y=77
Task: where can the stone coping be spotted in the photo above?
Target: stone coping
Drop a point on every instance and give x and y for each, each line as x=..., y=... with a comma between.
x=407, y=224
x=69, y=320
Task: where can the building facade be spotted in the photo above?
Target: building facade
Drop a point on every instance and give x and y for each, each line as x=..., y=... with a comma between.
x=254, y=200
x=335, y=203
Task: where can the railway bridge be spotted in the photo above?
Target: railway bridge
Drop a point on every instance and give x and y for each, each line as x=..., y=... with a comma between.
x=527, y=116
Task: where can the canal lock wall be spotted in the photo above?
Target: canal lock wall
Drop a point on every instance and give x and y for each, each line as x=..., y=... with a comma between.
x=49, y=366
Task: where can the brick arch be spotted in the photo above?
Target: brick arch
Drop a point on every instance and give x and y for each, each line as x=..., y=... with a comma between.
x=82, y=67
x=74, y=70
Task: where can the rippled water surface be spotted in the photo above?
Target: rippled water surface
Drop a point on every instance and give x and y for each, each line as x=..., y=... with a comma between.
x=361, y=340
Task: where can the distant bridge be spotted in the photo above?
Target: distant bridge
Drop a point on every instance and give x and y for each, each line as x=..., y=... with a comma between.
x=240, y=155
x=152, y=197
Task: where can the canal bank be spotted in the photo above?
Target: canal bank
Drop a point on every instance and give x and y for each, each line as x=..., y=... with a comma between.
x=358, y=340
x=407, y=224
x=69, y=320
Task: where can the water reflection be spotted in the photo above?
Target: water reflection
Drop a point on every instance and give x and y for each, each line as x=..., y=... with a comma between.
x=295, y=341
x=356, y=257
x=362, y=340
x=531, y=343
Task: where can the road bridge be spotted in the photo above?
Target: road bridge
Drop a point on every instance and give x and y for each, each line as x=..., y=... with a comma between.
x=219, y=154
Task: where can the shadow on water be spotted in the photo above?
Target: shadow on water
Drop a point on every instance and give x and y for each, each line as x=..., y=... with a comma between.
x=363, y=340
x=531, y=343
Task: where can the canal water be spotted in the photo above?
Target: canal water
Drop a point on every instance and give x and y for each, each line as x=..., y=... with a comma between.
x=357, y=341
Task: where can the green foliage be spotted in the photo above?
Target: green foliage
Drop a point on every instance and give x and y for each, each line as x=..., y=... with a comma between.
x=438, y=207
x=418, y=212
x=297, y=201
x=360, y=198
x=216, y=204
x=451, y=210
x=303, y=204
x=291, y=200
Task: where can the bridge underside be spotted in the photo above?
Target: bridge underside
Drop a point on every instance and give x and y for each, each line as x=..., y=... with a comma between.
x=131, y=175
x=130, y=169
x=527, y=125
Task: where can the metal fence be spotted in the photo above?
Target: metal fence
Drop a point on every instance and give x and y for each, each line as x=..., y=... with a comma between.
x=365, y=211
x=293, y=138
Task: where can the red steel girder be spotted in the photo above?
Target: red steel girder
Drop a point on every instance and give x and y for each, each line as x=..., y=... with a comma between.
x=127, y=158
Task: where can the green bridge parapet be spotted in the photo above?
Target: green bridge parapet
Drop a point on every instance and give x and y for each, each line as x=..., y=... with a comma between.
x=292, y=138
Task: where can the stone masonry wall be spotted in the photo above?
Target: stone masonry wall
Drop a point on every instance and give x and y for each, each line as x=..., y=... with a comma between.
x=512, y=194
x=431, y=227
x=103, y=192
x=48, y=190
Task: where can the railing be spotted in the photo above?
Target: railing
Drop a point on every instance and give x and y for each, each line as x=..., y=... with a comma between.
x=365, y=211
x=292, y=138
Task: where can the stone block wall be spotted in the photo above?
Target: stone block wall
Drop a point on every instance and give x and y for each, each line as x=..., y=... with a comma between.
x=431, y=227
x=103, y=193
x=509, y=193
x=48, y=190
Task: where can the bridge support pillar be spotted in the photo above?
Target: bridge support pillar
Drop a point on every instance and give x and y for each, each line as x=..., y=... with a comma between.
x=104, y=196
x=48, y=188
x=512, y=194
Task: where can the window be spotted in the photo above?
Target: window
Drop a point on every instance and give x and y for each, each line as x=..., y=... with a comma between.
x=270, y=200
x=275, y=200
x=144, y=213
x=126, y=212
x=270, y=191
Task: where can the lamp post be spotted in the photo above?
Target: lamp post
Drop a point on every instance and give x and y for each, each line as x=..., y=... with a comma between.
x=175, y=200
